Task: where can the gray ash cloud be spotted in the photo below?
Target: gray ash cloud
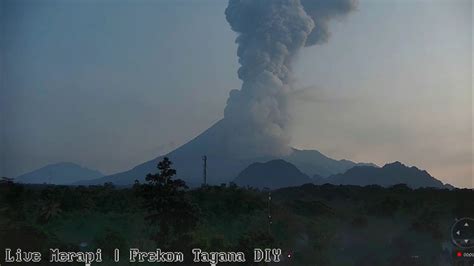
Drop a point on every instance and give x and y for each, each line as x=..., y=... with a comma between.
x=270, y=34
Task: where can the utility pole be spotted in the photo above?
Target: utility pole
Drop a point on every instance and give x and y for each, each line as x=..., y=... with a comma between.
x=204, y=158
x=269, y=212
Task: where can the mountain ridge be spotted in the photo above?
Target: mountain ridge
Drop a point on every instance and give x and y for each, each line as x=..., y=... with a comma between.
x=388, y=175
x=62, y=173
x=279, y=173
x=273, y=174
x=222, y=167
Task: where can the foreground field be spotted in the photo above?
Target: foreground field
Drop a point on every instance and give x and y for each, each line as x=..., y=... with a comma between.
x=315, y=225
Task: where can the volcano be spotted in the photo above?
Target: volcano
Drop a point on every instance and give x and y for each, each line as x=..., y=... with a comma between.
x=222, y=165
x=255, y=126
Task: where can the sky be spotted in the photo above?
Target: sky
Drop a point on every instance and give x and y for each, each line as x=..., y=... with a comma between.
x=111, y=84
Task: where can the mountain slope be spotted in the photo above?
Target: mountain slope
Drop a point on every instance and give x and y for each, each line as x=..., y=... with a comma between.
x=388, y=175
x=272, y=174
x=221, y=166
x=64, y=173
x=187, y=160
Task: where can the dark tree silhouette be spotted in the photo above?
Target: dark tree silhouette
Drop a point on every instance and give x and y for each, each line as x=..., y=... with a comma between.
x=6, y=181
x=167, y=204
x=109, y=240
x=49, y=210
x=49, y=205
x=255, y=239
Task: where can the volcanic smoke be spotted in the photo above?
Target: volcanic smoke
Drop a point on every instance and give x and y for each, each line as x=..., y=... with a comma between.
x=270, y=34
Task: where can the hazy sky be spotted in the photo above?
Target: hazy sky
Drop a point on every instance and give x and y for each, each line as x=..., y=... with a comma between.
x=111, y=84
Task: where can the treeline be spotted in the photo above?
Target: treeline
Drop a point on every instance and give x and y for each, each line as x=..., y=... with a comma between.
x=312, y=224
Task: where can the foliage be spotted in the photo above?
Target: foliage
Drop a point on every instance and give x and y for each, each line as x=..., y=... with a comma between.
x=255, y=239
x=369, y=225
x=109, y=241
x=167, y=205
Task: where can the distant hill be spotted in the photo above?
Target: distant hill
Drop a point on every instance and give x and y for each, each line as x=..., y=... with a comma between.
x=272, y=174
x=279, y=173
x=64, y=173
x=388, y=175
x=222, y=167
x=312, y=162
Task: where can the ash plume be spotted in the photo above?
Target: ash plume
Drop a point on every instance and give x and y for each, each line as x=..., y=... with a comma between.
x=270, y=34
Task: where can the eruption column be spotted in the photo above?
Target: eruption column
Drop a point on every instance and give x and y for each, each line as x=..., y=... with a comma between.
x=270, y=34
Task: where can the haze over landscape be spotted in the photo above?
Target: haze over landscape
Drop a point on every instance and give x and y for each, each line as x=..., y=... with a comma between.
x=110, y=86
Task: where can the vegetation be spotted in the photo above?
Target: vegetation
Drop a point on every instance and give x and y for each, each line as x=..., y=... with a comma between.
x=315, y=224
x=168, y=207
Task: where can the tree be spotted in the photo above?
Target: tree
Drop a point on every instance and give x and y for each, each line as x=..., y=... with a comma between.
x=167, y=205
x=5, y=180
x=50, y=204
x=49, y=210
x=14, y=196
x=109, y=240
x=255, y=239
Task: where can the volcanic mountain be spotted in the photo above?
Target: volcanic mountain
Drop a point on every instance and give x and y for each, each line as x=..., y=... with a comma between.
x=256, y=117
x=221, y=166
x=64, y=173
